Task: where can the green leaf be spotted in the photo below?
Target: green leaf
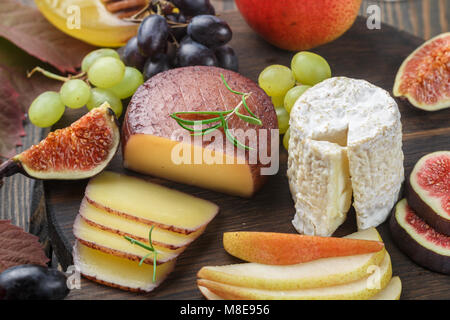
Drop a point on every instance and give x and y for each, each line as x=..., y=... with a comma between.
x=249, y=119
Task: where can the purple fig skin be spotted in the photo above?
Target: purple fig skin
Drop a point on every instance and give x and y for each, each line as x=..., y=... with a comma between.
x=423, y=210
x=10, y=167
x=415, y=251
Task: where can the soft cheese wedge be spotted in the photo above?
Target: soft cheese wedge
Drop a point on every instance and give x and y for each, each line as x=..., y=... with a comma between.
x=392, y=291
x=149, y=203
x=313, y=274
x=344, y=133
x=117, y=245
x=118, y=272
x=120, y=225
x=361, y=289
x=323, y=190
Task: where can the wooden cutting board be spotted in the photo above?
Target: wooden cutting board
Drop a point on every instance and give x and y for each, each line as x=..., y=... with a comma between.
x=374, y=55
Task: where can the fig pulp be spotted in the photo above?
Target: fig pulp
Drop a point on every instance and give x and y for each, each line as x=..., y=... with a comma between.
x=424, y=76
x=77, y=152
x=28, y=281
x=428, y=190
x=418, y=240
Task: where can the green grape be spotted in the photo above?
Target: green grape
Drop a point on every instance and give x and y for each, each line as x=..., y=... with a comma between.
x=292, y=95
x=277, y=101
x=46, y=109
x=132, y=79
x=75, y=93
x=89, y=59
x=99, y=96
x=310, y=68
x=276, y=80
x=283, y=119
x=286, y=138
x=106, y=72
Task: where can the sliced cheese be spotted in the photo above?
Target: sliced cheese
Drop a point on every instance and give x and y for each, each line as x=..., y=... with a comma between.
x=115, y=244
x=149, y=203
x=116, y=271
x=132, y=228
x=363, y=122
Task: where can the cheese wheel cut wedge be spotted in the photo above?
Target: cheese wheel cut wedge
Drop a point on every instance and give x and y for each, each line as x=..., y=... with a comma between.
x=154, y=143
x=345, y=138
x=118, y=272
x=149, y=203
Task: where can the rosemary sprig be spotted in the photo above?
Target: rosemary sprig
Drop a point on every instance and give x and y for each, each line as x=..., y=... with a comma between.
x=221, y=118
x=147, y=247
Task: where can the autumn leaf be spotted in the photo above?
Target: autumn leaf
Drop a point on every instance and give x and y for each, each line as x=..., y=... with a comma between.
x=28, y=29
x=11, y=117
x=16, y=93
x=18, y=247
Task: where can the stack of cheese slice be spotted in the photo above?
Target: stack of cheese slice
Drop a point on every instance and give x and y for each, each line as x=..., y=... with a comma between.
x=118, y=206
x=364, y=276
x=345, y=138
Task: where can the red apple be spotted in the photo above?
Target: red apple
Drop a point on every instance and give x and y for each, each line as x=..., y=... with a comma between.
x=299, y=24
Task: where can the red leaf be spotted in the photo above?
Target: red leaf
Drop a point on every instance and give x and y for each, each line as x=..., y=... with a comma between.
x=17, y=92
x=28, y=29
x=11, y=117
x=19, y=247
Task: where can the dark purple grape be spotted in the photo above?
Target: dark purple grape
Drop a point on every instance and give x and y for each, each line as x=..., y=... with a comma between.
x=33, y=282
x=194, y=7
x=177, y=31
x=210, y=31
x=152, y=35
x=227, y=58
x=171, y=53
x=192, y=53
x=153, y=67
x=131, y=55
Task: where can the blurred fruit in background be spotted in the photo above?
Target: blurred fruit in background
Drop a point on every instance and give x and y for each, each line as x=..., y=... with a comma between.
x=89, y=21
x=299, y=25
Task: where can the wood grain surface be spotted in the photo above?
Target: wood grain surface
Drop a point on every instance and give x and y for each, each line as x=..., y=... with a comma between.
x=374, y=55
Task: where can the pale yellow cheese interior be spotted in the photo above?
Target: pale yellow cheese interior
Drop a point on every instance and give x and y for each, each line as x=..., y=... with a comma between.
x=153, y=155
x=149, y=202
x=138, y=230
x=110, y=241
x=119, y=271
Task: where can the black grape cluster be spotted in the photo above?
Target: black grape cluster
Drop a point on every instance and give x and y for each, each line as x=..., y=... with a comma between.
x=183, y=33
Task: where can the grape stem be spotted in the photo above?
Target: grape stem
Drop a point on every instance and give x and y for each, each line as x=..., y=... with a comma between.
x=55, y=76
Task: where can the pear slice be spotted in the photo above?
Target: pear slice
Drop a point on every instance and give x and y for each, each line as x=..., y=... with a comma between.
x=361, y=289
x=149, y=203
x=118, y=272
x=117, y=245
x=208, y=294
x=392, y=291
x=128, y=227
x=318, y=273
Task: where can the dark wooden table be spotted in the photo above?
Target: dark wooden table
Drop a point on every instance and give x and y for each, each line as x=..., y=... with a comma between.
x=22, y=199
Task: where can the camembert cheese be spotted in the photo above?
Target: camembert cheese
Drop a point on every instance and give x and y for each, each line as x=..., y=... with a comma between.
x=346, y=138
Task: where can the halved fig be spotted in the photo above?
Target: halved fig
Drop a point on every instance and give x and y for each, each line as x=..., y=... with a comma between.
x=428, y=190
x=418, y=240
x=76, y=152
x=424, y=76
